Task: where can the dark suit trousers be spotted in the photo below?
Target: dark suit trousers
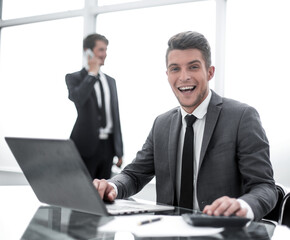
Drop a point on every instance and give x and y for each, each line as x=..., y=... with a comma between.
x=100, y=164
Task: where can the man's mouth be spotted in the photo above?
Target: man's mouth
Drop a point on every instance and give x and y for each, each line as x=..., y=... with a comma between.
x=186, y=88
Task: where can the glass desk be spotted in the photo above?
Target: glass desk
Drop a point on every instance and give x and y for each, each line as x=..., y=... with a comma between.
x=60, y=223
x=22, y=216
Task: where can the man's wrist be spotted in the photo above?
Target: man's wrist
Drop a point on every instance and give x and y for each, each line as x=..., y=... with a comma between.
x=115, y=187
x=93, y=74
x=244, y=204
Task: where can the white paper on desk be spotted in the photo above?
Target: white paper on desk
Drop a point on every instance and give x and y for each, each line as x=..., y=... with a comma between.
x=167, y=226
x=281, y=232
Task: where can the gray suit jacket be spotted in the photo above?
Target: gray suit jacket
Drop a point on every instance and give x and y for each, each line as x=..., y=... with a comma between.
x=234, y=159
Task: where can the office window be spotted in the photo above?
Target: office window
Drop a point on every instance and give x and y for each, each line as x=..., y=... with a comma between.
x=25, y=8
x=257, y=64
x=136, y=59
x=33, y=94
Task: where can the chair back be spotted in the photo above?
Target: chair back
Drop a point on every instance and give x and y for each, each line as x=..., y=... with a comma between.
x=285, y=211
x=274, y=215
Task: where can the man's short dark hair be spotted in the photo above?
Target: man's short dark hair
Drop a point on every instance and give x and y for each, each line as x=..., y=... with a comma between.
x=90, y=40
x=190, y=40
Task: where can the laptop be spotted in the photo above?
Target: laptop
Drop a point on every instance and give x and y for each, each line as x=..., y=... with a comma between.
x=59, y=177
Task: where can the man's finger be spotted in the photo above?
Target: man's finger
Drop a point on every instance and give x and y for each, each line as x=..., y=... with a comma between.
x=210, y=209
x=101, y=186
x=96, y=183
x=233, y=208
x=242, y=212
x=111, y=194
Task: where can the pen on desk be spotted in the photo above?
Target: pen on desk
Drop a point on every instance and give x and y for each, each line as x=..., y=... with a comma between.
x=149, y=221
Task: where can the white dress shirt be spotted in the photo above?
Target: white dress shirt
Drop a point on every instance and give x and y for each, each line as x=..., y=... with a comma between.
x=198, y=128
x=104, y=132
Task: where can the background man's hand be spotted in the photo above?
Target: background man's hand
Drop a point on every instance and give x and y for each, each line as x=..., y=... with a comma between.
x=94, y=64
x=225, y=206
x=119, y=163
x=106, y=191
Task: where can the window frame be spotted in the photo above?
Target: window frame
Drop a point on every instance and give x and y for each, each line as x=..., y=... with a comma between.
x=91, y=10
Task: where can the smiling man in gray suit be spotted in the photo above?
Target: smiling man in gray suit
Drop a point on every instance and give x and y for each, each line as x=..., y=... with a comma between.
x=233, y=173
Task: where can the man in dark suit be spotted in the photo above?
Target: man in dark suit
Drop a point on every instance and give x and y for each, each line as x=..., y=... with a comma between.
x=232, y=172
x=97, y=131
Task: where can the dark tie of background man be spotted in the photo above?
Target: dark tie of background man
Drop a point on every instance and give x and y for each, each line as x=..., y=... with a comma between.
x=186, y=190
x=102, y=109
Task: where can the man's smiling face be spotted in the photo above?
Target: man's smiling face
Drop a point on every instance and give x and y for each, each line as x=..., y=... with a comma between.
x=188, y=77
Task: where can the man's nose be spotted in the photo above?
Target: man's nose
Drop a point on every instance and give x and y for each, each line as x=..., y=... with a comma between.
x=184, y=76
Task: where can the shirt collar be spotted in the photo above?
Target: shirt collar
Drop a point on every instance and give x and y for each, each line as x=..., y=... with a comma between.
x=201, y=110
x=85, y=72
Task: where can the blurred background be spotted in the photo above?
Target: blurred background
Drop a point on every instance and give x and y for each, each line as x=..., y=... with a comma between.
x=41, y=41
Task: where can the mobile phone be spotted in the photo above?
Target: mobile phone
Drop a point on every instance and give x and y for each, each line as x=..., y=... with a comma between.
x=89, y=53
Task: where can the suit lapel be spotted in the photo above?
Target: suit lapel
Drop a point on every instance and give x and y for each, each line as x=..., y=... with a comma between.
x=84, y=73
x=174, y=134
x=212, y=115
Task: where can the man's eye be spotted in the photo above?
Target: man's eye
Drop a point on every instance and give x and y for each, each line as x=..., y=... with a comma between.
x=174, y=69
x=193, y=67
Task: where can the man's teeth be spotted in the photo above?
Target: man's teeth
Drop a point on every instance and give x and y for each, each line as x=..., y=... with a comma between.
x=186, y=88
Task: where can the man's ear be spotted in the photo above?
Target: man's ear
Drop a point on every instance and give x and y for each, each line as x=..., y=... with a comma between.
x=211, y=71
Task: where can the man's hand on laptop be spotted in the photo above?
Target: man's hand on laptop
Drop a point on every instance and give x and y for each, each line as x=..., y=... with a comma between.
x=106, y=191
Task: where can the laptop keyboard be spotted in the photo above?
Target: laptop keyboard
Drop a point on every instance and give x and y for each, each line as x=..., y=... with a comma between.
x=129, y=207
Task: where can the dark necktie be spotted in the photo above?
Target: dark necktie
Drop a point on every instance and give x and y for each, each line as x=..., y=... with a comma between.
x=186, y=190
x=102, y=109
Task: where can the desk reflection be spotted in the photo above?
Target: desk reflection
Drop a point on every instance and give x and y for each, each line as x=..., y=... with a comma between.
x=60, y=223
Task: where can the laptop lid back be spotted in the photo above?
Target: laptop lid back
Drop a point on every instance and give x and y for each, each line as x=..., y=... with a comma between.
x=56, y=173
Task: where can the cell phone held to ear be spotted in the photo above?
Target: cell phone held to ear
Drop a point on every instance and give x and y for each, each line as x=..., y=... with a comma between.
x=89, y=53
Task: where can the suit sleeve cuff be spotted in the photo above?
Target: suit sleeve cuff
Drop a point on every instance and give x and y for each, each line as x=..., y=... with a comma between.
x=115, y=187
x=244, y=204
